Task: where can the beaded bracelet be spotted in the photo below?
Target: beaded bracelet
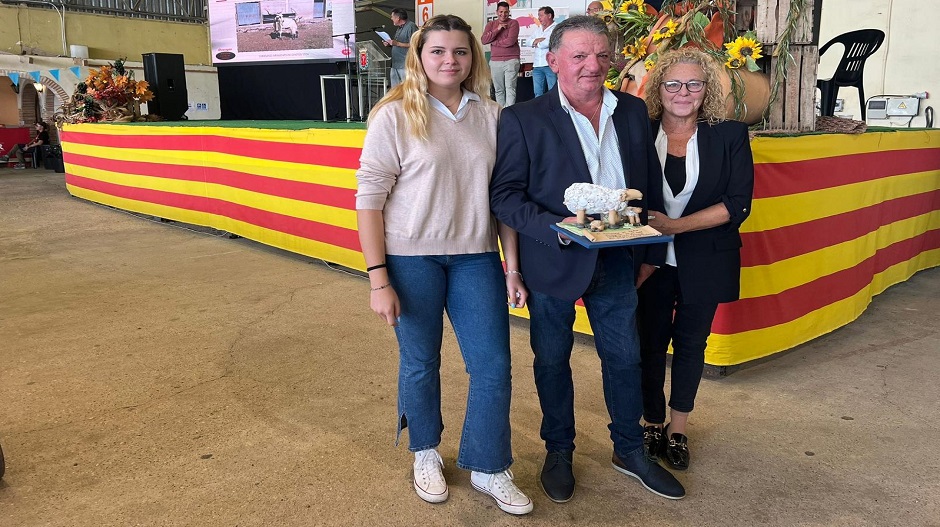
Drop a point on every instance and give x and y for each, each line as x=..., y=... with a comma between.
x=379, y=288
x=514, y=272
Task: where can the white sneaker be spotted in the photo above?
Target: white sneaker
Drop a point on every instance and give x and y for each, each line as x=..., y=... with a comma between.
x=501, y=488
x=429, y=481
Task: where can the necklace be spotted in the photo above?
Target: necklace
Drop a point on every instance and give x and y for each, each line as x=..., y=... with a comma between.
x=453, y=106
x=596, y=110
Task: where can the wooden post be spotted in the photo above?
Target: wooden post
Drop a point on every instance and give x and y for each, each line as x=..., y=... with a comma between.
x=795, y=104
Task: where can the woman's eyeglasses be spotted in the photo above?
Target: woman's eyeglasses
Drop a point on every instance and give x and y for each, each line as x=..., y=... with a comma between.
x=675, y=86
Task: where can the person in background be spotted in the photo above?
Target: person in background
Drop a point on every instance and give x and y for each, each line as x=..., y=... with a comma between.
x=580, y=132
x=707, y=181
x=42, y=138
x=430, y=247
x=543, y=78
x=400, y=44
x=594, y=8
x=502, y=35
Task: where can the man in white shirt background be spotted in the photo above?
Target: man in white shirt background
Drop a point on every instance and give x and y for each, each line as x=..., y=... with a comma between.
x=543, y=78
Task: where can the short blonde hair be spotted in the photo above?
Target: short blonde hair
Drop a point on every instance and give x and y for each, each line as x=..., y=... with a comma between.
x=412, y=91
x=713, y=107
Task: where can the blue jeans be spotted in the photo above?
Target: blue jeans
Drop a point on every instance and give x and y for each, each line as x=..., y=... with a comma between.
x=543, y=79
x=611, y=302
x=472, y=290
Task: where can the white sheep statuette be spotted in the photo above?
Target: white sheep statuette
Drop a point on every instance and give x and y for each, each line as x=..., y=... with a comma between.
x=587, y=198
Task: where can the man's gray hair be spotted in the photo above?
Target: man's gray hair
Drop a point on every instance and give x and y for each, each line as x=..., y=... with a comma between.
x=591, y=24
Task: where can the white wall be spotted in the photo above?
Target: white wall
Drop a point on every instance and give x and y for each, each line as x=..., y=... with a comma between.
x=906, y=62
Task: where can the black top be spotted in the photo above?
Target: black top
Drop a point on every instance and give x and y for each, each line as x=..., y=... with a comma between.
x=675, y=173
x=44, y=137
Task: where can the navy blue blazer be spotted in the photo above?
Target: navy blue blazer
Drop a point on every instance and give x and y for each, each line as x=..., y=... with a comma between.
x=709, y=260
x=538, y=156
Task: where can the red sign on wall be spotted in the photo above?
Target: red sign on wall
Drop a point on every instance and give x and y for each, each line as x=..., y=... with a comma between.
x=425, y=10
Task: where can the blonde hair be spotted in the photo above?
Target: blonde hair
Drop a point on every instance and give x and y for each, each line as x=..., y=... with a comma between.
x=412, y=91
x=713, y=107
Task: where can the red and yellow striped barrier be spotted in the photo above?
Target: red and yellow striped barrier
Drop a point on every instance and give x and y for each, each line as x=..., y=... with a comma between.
x=292, y=189
x=836, y=219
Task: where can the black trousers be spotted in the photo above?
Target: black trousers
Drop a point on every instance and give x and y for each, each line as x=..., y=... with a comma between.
x=662, y=317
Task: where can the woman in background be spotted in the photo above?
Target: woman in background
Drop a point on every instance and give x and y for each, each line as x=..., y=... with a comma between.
x=430, y=245
x=708, y=181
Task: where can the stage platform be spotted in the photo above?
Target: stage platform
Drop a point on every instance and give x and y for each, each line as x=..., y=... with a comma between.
x=836, y=219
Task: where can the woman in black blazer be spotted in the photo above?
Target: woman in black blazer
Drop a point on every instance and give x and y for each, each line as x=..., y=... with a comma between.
x=708, y=181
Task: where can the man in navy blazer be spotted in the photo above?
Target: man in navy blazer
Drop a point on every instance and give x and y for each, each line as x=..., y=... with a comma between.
x=580, y=132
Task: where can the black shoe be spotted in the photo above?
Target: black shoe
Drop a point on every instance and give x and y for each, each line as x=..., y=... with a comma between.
x=675, y=450
x=652, y=442
x=558, y=477
x=655, y=478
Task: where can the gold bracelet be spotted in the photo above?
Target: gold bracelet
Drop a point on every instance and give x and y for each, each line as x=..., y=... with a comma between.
x=381, y=287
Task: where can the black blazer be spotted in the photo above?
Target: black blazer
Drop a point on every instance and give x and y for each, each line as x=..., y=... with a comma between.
x=709, y=260
x=538, y=156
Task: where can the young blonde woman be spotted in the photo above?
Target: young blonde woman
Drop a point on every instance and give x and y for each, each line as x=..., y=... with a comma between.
x=430, y=245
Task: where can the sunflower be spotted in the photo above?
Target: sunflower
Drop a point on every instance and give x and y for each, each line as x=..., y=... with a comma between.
x=649, y=64
x=637, y=49
x=666, y=31
x=744, y=47
x=632, y=5
x=734, y=63
x=609, y=84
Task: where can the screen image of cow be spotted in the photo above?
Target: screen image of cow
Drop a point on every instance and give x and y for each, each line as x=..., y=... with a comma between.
x=279, y=25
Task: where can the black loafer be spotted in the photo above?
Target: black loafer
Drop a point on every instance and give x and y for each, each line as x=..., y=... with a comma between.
x=652, y=441
x=655, y=478
x=558, y=476
x=675, y=451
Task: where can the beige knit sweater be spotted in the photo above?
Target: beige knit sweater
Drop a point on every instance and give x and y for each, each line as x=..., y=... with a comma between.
x=434, y=193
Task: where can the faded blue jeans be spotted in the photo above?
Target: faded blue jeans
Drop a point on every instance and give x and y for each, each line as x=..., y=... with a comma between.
x=610, y=301
x=472, y=290
x=543, y=80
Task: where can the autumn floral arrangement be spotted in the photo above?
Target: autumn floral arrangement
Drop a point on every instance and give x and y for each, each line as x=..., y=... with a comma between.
x=108, y=94
x=643, y=33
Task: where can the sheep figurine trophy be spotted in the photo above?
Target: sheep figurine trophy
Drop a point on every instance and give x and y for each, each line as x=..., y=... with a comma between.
x=587, y=198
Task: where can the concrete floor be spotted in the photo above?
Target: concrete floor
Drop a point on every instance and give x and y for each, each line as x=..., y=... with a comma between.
x=153, y=375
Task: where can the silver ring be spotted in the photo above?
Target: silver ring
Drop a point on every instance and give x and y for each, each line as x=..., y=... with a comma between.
x=652, y=217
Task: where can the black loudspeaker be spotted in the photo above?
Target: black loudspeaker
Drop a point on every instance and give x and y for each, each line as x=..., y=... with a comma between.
x=166, y=75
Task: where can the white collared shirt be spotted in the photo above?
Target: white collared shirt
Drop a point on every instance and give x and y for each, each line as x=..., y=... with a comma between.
x=601, y=149
x=461, y=110
x=676, y=203
x=539, y=57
